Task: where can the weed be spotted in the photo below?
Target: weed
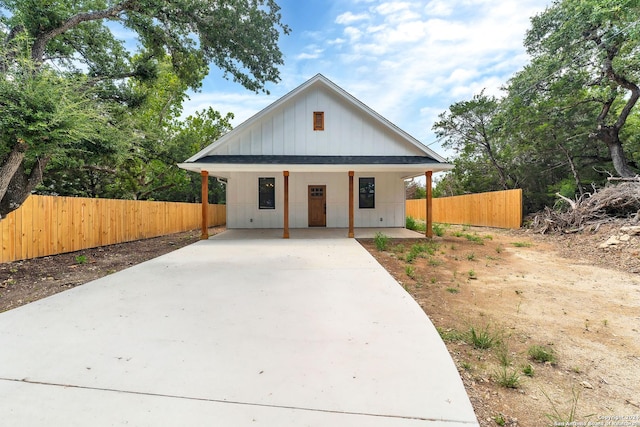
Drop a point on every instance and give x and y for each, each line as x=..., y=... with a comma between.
x=466, y=227
x=471, y=256
x=438, y=229
x=453, y=247
x=528, y=370
x=605, y=323
x=474, y=238
x=81, y=259
x=559, y=419
x=434, y=262
x=411, y=272
x=453, y=290
x=507, y=378
x=576, y=369
x=450, y=335
x=466, y=366
x=499, y=419
x=433, y=280
x=472, y=274
x=411, y=223
x=488, y=237
x=522, y=244
x=111, y=271
x=13, y=270
x=381, y=241
x=399, y=248
x=502, y=352
x=542, y=354
x=482, y=339
x=410, y=256
x=499, y=249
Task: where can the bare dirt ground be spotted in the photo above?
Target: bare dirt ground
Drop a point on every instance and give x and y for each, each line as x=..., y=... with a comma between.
x=513, y=288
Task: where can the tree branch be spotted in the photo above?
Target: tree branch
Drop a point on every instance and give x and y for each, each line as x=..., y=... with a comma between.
x=37, y=52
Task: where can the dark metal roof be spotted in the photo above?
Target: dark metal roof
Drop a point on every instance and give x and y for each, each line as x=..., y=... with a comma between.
x=319, y=160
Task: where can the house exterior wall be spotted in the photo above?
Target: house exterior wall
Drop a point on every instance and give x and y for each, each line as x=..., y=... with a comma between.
x=288, y=130
x=243, y=212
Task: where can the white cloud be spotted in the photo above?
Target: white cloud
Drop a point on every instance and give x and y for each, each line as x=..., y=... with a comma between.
x=349, y=18
x=438, y=8
x=390, y=7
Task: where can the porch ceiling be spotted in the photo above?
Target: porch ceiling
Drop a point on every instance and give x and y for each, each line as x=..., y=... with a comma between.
x=407, y=166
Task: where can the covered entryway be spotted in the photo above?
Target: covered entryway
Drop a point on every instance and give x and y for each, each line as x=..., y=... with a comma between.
x=317, y=205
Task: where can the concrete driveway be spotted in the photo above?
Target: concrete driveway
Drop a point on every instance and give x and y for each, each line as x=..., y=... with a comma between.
x=266, y=332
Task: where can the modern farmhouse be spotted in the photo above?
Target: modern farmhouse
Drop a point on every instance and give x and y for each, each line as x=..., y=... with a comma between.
x=317, y=157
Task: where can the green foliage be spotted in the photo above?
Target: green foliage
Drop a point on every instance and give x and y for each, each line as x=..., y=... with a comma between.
x=381, y=241
x=542, y=354
x=508, y=378
x=410, y=223
x=439, y=229
x=104, y=121
x=81, y=259
x=482, y=339
x=528, y=370
x=410, y=271
x=568, y=116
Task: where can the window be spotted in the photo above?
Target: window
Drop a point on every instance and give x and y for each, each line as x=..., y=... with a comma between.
x=367, y=193
x=318, y=120
x=266, y=193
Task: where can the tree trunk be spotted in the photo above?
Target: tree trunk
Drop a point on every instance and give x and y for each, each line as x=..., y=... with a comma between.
x=12, y=162
x=619, y=159
x=21, y=186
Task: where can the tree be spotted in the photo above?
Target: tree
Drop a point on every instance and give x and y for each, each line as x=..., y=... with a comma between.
x=238, y=36
x=470, y=129
x=43, y=114
x=593, y=44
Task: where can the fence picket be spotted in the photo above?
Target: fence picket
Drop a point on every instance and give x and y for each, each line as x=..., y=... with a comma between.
x=48, y=225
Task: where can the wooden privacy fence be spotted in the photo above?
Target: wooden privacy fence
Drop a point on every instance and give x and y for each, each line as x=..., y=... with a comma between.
x=49, y=225
x=501, y=209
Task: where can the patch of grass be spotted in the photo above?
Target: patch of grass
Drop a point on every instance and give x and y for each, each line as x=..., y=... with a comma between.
x=503, y=355
x=410, y=271
x=453, y=290
x=415, y=225
x=499, y=420
x=466, y=366
x=434, y=262
x=81, y=259
x=381, y=241
x=528, y=370
x=439, y=229
x=450, y=335
x=482, y=339
x=522, y=244
x=399, y=248
x=471, y=256
x=499, y=249
x=472, y=274
x=433, y=280
x=508, y=378
x=542, y=354
x=474, y=238
x=564, y=419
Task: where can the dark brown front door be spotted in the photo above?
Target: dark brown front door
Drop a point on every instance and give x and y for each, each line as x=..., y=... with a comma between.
x=317, y=206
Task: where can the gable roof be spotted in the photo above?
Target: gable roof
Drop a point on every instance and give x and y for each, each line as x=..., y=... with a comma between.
x=414, y=159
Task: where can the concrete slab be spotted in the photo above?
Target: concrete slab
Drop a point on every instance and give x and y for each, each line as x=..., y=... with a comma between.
x=265, y=332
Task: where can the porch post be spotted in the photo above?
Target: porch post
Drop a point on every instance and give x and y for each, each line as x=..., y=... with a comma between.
x=351, y=234
x=285, y=234
x=205, y=205
x=429, y=219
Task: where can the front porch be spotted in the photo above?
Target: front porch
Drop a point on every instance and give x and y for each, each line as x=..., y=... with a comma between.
x=316, y=233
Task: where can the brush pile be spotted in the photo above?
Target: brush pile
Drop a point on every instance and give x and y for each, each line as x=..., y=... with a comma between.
x=591, y=210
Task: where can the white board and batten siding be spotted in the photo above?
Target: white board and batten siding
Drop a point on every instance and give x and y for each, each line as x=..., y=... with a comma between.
x=287, y=129
x=243, y=212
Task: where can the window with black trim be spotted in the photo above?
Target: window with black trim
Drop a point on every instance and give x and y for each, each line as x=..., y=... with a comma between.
x=367, y=193
x=318, y=120
x=266, y=193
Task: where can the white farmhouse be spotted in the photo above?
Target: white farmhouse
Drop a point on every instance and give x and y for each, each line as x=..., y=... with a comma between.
x=317, y=157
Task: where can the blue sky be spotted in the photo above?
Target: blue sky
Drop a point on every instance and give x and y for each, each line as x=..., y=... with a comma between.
x=408, y=60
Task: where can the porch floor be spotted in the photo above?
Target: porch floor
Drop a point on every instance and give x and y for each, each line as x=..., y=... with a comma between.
x=315, y=233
